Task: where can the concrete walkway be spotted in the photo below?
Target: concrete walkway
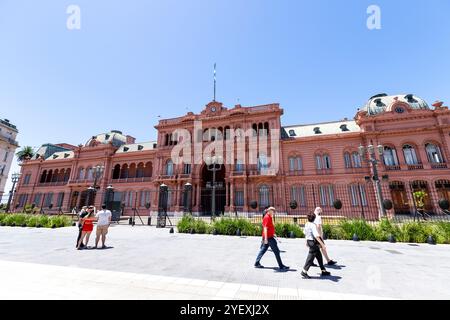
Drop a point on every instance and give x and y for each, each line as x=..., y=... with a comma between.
x=149, y=263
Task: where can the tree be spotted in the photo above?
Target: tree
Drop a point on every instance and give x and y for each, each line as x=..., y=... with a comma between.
x=26, y=153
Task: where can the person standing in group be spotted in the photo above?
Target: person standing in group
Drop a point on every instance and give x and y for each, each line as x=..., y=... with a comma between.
x=268, y=234
x=314, y=243
x=88, y=226
x=318, y=222
x=83, y=213
x=103, y=222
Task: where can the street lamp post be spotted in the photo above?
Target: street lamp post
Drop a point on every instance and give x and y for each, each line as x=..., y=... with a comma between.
x=14, y=178
x=370, y=149
x=97, y=173
x=214, y=164
x=187, y=201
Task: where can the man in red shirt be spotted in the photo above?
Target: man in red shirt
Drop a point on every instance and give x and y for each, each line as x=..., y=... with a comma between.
x=269, y=241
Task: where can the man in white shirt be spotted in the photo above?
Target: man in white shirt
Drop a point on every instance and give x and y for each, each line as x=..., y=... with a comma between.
x=314, y=243
x=103, y=221
x=318, y=223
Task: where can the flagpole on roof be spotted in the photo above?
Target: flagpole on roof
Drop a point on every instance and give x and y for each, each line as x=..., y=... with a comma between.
x=214, y=82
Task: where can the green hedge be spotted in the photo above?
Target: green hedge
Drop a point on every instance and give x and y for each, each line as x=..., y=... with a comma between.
x=27, y=220
x=410, y=232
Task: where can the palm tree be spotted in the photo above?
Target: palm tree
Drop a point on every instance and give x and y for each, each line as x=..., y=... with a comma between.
x=26, y=153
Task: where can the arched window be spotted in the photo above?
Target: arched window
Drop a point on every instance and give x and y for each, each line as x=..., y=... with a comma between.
x=148, y=170
x=298, y=194
x=67, y=175
x=124, y=172
x=132, y=171
x=434, y=153
x=390, y=156
x=169, y=168
x=295, y=164
x=55, y=176
x=356, y=160
x=326, y=161
x=264, y=196
x=116, y=172
x=410, y=155
x=43, y=176
x=49, y=176
x=140, y=170
x=347, y=160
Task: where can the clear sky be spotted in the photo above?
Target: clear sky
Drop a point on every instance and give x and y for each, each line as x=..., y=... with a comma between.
x=132, y=61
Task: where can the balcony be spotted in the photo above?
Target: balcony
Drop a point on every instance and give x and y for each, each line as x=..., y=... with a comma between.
x=392, y=168
x=418, y=166
x=52, y=184
x=323, y=171
x=132, y=180
x=185, y=176
x=295, y=172
x=439, y=166
x=238, y=173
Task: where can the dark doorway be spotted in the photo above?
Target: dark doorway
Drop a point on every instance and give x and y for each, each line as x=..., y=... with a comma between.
x=206, y=191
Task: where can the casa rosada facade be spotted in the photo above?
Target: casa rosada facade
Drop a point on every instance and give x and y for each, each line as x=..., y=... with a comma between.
x=311, y=164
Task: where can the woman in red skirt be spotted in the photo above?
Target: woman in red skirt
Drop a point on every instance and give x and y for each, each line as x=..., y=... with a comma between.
x=88, y=226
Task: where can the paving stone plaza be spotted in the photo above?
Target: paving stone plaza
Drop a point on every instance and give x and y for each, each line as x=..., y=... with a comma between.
x=148, y=263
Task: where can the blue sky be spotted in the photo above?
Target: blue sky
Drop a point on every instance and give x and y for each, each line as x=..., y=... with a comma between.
x=134, y=60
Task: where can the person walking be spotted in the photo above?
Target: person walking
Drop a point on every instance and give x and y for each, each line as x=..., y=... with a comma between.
x=314, y=243
x=103, y=221
x=88, y=227
x=318, y=222
x=83, y=213
x=268, y=240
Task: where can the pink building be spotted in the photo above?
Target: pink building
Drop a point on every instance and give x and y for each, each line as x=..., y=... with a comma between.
x=311, y=164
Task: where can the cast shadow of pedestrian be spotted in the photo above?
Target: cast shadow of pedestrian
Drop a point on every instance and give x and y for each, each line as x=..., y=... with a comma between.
x=281, y=271
x=327, y=278
x=335, y=267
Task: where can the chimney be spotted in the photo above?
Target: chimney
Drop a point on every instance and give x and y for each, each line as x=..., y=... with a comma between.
x=130, y=139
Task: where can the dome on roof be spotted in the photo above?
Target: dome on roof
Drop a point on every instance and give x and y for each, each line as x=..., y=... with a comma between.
x=114, y=137
x=383, y=102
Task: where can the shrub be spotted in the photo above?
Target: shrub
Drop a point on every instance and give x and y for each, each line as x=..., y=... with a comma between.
x=384, y=229
x=284, y=230
x=185, y=224
x=414, y=232
x=441, y=232
x=28, y=209
x=33, y=221
x=361, y=228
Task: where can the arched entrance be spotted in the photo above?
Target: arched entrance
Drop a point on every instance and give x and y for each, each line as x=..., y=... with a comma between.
x=207, y=192
x=399, y=197
x=443, y=189
x=420, y=185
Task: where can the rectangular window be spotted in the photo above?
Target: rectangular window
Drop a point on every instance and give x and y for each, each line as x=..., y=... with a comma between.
x=59, y=203
x=145, y=198
x=6, y=156
x=354, y=196
x=48, y=199
x=27, y=179
x=187, y=169
x=37, y=200
x=239, y=198
x=299, y=164
x=362, y=189
x=323, y=195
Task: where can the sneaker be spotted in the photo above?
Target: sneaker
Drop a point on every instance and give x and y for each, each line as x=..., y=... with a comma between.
x=104, y=247
x=259, y=266
x=305, y=275
x=284, y=268
x=331, y=263
x=325, y=274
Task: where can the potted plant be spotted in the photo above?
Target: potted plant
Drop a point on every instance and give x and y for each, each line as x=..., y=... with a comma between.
x=419, y=198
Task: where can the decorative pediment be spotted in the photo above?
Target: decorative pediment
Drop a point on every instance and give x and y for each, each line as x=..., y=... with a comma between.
x=213, y=108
